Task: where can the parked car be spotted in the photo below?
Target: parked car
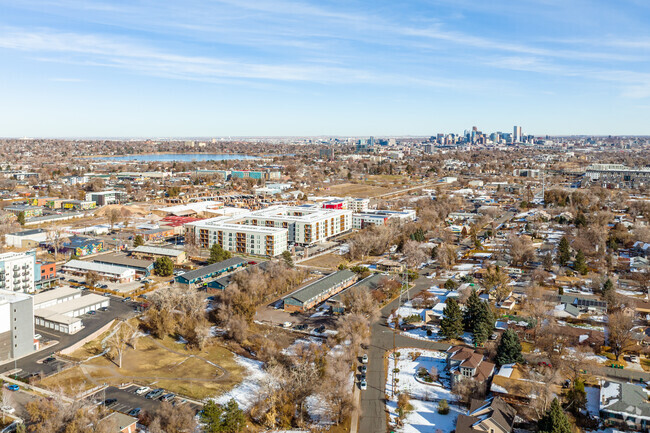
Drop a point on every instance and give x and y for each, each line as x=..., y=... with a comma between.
x=92, y=312
x=634, y=358
x=109, y=401
x=142, y=390
x=103, y=309
x=167, y=397
x=127, y=299
x=37, y=336
x=364, y=358
x=300, y=327
x=320, y=329
x=7, y=409
x=49, y=359
x=364, y=369
x=135, y=412
x=156, y=393
x=363, y=384
x=13, y=387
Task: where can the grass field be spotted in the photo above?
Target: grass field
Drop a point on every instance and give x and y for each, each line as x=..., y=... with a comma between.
x=358, y=190
x=164, y=363
x=328, y=261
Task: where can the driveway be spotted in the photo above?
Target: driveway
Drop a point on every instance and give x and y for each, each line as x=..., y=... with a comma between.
x=373, y=403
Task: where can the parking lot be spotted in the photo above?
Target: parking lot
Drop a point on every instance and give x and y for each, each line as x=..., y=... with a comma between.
x=128, y=400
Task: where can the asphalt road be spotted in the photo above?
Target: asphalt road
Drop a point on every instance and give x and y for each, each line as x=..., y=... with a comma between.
x=33, y=364
x=128, y=400
x=373, y=402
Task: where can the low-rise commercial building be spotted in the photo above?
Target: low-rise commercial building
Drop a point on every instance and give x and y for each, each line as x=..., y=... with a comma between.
x=313, y=294
x=78, y=204
x=145, y=252
x=111, y=272
x=26, y=238
x=107, y=197
x=141, y=267
x=16, y=325
x=200, y=277
x=28, y=211
x=81, y=246
x=381, y=217
x=59, y=309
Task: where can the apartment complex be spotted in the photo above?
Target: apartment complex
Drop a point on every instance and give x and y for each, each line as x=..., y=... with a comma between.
x=270, y=231
x=17, y=272
x=16, y=325
x=381, y=217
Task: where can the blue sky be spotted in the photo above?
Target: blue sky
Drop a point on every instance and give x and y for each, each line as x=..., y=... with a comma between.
x=347, y=67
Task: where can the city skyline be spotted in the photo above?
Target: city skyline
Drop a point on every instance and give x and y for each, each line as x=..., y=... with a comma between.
x=303, y=68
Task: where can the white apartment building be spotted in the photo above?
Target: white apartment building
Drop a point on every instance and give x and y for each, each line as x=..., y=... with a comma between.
x=17, y=272
x=306, y=225
x=269, y=232
x=16, y=325
x=381, y=217
x=358, y=205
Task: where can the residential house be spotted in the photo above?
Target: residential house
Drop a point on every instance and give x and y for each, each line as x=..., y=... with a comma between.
x=464, y=363
x=490, y=416
x=624, y=405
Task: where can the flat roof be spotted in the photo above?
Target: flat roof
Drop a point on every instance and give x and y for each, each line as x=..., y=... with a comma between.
x=75, y=304
x=98, y=267
x=171, y=252
x=27, y=232
x=314, y=289
x=51, y=316
x=57, y=293
x=116, y=259
x=213, y=268
x=11, y=296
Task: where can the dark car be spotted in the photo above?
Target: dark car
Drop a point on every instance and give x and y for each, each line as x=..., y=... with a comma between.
x=92, y=312
x=135, y=412
x=103, y=309
x=49, y=359
x=320, y=329
x=109, y=401
x=300, y=327
x=127, y=299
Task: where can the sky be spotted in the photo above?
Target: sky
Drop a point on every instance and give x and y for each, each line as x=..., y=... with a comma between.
x=218, y=68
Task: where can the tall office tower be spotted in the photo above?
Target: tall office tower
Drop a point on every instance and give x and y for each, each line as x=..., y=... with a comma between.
x=17, y=272
x=516, y=136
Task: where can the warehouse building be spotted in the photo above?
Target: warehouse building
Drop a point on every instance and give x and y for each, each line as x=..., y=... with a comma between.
x=111, y=272
x=144, y=252
x=315, y=293
x=26, y=238
x=59, y=309
x=141, y=267
x=200, y=276
x=107, y=197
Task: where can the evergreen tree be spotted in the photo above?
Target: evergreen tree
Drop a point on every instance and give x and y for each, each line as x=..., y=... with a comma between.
x=581, y=220
x=580, y=264
x=563, y=252
x=163, y=266
x=608, y=288
x=451, y=285
x=483, y=324
x=548, y=261
x=21, y=218
x=286, y=256
x=472, y=307
x=227, y=419
x=138, y=241
x=555, y=420
x=451, y=325
x=509, y=350
x=218, y=254
x=577, y=397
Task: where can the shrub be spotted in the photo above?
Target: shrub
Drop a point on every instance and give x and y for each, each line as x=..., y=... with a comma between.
x=415, y=355
x=443, y=407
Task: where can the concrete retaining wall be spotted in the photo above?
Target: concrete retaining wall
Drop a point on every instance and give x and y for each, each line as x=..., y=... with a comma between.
x=68, y=350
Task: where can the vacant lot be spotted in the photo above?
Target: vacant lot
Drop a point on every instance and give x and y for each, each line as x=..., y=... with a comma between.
x=162, y=363
x=327, y=261
x=358, y=190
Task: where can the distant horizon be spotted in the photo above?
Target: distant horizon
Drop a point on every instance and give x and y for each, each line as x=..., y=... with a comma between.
x=262, y=68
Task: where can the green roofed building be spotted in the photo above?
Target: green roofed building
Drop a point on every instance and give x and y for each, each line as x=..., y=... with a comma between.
x=319, y=291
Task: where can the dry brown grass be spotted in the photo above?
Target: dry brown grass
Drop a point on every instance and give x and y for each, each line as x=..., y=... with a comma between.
x=329, y=261
x=358, y=190
x=171, y=366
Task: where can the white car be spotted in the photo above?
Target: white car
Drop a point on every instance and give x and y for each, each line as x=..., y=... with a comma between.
x=364, y=384
x=7, y=409
x=142, y=390
x=364, y=359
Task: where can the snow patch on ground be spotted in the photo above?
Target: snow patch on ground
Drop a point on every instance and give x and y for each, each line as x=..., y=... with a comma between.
x=425, y=417
x=247, y=391
x=301, y=343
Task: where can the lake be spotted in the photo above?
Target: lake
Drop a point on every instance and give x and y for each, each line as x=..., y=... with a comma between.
x=180, y=157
